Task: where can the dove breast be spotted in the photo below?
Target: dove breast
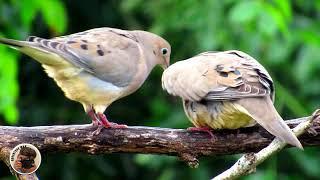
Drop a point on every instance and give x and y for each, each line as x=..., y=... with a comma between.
x=217, y=114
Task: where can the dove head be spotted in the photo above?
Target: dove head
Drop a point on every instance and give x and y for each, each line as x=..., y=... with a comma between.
x=156, y=49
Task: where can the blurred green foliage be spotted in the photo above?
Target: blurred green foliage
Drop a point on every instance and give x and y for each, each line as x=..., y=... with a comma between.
x=283, y=35
x=16, y=22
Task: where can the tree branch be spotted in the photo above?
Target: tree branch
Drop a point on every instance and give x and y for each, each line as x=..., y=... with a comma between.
x=176, y=142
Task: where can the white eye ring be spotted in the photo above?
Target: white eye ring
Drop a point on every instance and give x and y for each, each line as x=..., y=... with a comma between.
x=164, y=51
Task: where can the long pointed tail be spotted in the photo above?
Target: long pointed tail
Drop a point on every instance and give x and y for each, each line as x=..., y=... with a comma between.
x=263, y=111
x=34, y=50
x=13, y=43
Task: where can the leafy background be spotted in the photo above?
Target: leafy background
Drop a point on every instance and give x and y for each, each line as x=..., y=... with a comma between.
x=283, y=35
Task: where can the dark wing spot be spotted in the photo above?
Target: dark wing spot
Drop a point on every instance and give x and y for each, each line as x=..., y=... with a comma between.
x=99, y=46
x=84, y=46
x=154, y=52
x=71, y=42
x=100, y=52
x=83, y=40
x=223, y=74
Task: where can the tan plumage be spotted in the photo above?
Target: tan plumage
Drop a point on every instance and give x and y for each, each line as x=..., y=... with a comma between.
x=226, y=90
x=98, y=66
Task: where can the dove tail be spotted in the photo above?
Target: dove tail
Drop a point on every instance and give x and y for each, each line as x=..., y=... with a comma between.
x=12, y=43
x=268, y=117
x=281, y=130
x=31, y=49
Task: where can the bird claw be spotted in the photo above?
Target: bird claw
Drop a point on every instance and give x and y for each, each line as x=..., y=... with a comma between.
x=107, y=124
x=202, y=129
x=110, y=125
x=117, y=126
x=95, y=123
x=98, y=130
x=100, y=120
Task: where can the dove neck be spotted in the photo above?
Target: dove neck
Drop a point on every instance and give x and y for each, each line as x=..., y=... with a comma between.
x=150, y=62
x=147, y=42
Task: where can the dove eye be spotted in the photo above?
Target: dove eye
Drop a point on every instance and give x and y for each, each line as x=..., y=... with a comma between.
x=164, y=51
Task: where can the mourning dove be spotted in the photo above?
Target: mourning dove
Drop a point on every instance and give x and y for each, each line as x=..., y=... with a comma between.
x=98, y=66
x=227, y=90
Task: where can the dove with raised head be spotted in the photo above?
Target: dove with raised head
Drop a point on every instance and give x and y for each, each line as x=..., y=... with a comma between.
x=226, y=90
x=98, y=66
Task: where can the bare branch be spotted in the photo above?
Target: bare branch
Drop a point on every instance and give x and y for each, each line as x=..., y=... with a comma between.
x=188, y=146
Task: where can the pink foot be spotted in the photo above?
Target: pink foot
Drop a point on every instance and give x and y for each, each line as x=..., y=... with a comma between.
x=202, y=129
x=100, y=120
x=104, y=121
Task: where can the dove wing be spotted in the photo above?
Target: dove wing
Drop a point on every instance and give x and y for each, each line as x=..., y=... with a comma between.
x=110, y=54
x=217, y=76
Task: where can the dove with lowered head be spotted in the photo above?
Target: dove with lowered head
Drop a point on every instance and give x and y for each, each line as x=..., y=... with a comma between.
x=226, y=90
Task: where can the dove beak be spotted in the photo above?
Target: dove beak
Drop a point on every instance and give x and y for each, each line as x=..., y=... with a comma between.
x=165, y=65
